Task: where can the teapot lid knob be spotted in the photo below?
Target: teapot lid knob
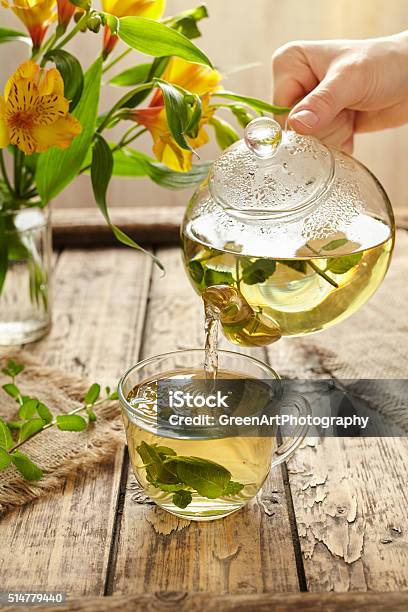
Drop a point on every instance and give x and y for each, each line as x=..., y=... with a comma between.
x=263, y=137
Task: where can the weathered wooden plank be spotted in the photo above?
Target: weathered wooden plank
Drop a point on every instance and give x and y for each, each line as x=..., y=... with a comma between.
x=248, y=552
x=350, y=495
x=262, y=602
x=158, y=225
x=62, y=542
x=86, y=227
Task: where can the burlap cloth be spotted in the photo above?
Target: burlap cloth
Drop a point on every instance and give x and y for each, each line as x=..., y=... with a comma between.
x=57, y=452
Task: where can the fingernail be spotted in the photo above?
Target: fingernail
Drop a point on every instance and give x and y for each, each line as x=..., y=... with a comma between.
x=306, y=117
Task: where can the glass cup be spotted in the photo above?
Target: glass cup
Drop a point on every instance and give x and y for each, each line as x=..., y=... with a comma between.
x=206, y=476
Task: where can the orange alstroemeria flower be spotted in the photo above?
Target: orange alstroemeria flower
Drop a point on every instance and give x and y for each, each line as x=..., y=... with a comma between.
x=151, y=9
x=195, y=78
x=66, y=11
x=36, y=16
x=34, y=113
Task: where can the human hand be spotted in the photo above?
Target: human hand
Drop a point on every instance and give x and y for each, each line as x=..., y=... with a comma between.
x=340, y=87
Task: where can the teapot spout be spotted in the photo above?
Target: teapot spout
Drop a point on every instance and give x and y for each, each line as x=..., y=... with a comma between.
x=240, y=323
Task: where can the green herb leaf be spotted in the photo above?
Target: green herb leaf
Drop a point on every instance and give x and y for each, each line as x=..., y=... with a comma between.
x=298, y=265
x=71, y=422
x=233, y=488
x=341, y=265
x=196, y=271
x=15, y=424
x=13, y=368
x=28, y=408
x=182, y=498
x=257, y=271
x=11, y=390
x=132, y=76
x=5, y=459
x=334, y=244
x=169, y=488
x=56, y=167
x=91, y=415
x=225, y=134
x=71, y=72
x=6, y=439
x=214, y=276
x=30, y=428
x=92, y=394
x=26, y=467
x=44, y=412
x=113, y=396
x=158, y=40
x=151, y=460
x=208, y=478
x=8, y=35
x=165, y=451
x=258, y=105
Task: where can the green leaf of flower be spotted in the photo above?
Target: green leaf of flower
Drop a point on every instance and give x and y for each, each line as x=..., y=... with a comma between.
x=158, y=40
x=132, y=76
x=334, y=244
x=30, y=428
x=56, y=167
x=6, y=439
x=182, y=498
x=186, y=22
x=341, y=265
x=233, y=488
x=44, y=412
x=28, y=469
x=92, y=394
x=71, y=422
x=258, y=105
x=5, y=459
x=8, y=35
x=242, y=115
x=12, y=390
x=213, y=276
x=71, y=72
x=177, y=112
x=206, y=477
x=258, y=271
x=225, y=134
x=28, y=408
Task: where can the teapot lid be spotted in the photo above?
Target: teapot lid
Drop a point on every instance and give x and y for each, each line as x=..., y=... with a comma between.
x=271, y=172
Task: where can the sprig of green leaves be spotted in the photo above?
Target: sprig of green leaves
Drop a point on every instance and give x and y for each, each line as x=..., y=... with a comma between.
x=181, y=475
x=35, y=417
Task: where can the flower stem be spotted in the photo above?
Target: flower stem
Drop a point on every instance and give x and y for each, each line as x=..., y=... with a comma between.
x=81, y=23
x=121, y=103
x=4, y=173
x=116, y=60
x=18, y=166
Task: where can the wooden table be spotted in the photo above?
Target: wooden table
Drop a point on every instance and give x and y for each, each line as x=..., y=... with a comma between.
x=334, y=519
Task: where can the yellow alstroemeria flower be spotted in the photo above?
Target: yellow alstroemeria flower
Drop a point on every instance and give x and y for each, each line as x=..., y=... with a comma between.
x=35, y=14
x=151, y=9
x=195, y=78
x=34, y=113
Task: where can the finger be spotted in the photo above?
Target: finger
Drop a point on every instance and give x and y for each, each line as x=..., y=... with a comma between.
x=390, y=117
x=339, y=131
x=320, y=107
x=348, y=145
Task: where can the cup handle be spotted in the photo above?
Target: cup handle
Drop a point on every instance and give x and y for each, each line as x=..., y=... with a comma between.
x=286, y=449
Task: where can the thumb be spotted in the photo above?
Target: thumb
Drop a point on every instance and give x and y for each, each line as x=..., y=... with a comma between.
x=321, y=106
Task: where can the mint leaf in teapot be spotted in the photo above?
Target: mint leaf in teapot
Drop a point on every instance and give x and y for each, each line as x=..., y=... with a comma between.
x=257, y=271
x=296, y=264
x=214, y=276
x=196, y=271
x=182, y=498
x=341, y=265
x=334, y=244
x=233, y=488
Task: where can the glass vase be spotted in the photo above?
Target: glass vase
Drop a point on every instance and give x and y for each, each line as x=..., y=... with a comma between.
x=25, y=274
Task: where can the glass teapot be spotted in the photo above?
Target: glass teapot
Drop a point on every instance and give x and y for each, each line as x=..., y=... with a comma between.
x=287, y=236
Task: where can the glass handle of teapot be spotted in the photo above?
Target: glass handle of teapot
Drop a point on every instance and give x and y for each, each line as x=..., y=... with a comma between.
x=287, y=448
